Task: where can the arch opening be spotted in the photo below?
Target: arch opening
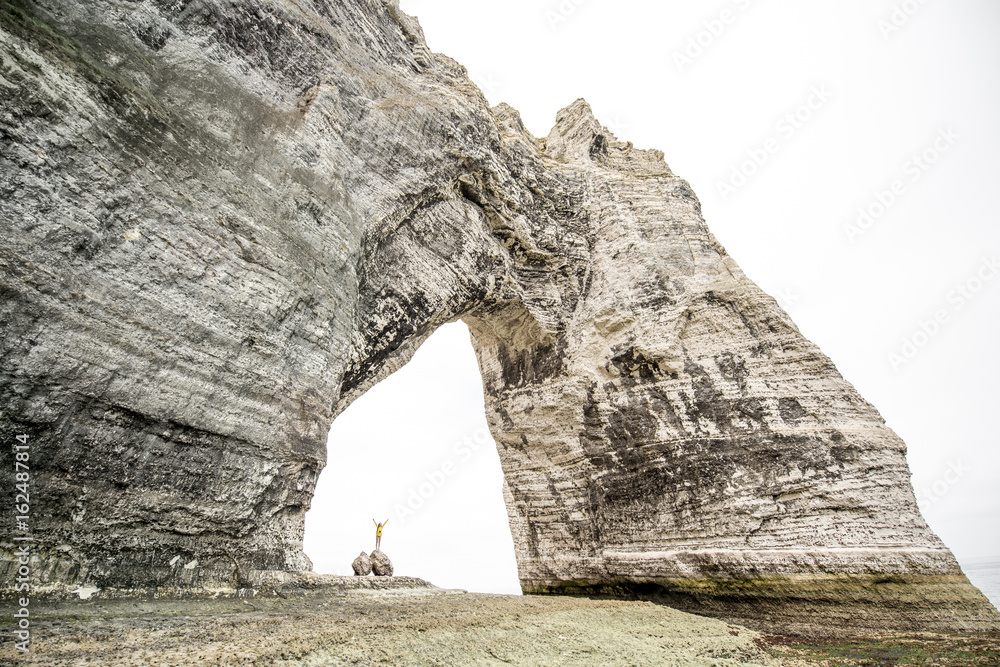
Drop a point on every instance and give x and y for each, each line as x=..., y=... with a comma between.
x=416, y=449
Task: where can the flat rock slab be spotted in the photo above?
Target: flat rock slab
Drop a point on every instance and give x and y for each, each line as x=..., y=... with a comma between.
x=382, y=626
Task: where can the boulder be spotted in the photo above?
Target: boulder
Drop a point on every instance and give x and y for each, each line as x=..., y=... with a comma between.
x=362, y=565
x=381, y=565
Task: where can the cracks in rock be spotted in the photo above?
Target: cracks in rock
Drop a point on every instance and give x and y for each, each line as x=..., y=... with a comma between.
x=753, y=532
x=412, y=206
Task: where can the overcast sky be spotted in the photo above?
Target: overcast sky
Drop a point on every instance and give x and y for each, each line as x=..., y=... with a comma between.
x=788, y=119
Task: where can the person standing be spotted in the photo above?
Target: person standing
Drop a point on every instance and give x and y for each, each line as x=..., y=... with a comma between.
x=378, y=532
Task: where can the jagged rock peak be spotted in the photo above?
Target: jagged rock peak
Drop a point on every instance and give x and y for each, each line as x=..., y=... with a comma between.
x=575, y=136
x=410, y=25
x=510, y=122
x=578, y=136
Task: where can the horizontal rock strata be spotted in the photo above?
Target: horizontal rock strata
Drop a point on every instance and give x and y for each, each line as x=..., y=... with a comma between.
x=222, y=222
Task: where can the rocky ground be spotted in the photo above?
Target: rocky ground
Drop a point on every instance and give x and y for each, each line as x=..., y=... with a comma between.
x=418, y=624
x=398, y=627
x=952, y=649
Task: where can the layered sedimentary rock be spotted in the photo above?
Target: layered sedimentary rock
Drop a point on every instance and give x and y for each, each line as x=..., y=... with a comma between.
x=222, y=222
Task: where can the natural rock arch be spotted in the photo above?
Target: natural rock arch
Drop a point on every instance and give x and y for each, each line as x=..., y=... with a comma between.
x=224, y=222
x=416, y=449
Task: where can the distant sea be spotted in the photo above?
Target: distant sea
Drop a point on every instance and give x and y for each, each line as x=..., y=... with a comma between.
x=984, y=573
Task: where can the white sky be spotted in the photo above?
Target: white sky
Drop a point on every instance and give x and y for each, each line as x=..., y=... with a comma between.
x=890, y=95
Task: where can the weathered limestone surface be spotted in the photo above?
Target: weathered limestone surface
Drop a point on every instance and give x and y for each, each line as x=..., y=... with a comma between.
x=223, y=221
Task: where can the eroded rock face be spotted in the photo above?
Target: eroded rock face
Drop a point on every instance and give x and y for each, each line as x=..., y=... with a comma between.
x=222, y=222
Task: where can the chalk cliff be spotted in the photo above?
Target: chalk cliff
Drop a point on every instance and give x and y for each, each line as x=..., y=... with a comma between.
x=223, y=221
